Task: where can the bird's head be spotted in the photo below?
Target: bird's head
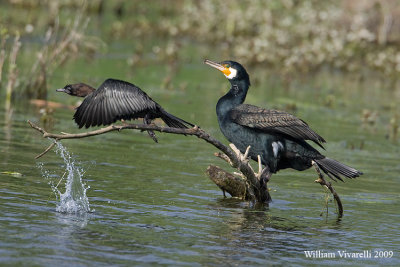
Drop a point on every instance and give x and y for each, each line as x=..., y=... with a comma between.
x=67, y=89
x=232, y=70
x=78, y=89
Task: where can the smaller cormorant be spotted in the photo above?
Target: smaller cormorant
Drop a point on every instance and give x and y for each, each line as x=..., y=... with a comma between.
x=277, y=136
x=118, y=100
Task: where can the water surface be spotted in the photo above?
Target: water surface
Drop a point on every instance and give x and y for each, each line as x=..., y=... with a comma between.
x=153, y=204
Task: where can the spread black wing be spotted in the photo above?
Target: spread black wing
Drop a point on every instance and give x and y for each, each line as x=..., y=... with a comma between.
x=274, y=121
x=115, y=100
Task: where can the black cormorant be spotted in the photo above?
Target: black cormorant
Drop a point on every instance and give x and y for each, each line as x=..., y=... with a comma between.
x=277, y=136
x=118, y=100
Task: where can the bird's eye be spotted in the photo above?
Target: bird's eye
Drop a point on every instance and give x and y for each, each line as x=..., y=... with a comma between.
x=227, y=66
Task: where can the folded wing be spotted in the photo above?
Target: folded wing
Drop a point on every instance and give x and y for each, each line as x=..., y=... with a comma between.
x=274, y=121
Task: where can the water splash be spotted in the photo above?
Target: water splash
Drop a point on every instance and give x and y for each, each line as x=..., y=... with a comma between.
x=74, y=199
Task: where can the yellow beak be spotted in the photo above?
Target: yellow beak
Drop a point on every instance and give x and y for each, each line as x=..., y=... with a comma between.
x=218, y=66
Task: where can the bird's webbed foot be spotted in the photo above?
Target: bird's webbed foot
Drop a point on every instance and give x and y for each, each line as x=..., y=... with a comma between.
x=152, y=135
x=147, y=121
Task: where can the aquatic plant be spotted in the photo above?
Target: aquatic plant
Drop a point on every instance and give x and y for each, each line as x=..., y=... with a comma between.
x=299, y=36
x=289, y=37
x=292, y=37
x=12, y=73
x=57, y=49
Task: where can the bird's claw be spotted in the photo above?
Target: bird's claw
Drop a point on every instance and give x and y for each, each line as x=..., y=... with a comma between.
x=241, y=157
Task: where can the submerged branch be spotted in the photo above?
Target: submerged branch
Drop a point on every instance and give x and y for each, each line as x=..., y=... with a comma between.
x=328, y=185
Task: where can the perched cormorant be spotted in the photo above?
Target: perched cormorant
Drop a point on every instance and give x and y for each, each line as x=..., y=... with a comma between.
x=118, y=100
x=277, y=136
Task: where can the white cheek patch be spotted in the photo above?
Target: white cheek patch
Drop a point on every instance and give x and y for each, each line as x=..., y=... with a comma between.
x=233, y=73
x=276, y=146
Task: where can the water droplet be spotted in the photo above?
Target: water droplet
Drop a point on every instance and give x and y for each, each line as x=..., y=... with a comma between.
x=74, y=199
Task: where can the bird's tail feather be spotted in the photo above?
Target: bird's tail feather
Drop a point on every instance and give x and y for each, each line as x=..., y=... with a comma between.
x=335, y=169
x=175, y=122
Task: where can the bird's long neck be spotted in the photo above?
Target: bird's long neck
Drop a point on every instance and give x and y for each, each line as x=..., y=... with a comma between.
x=235, y=96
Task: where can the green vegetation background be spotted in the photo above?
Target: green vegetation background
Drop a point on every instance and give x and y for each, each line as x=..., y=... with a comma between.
x=340, y=45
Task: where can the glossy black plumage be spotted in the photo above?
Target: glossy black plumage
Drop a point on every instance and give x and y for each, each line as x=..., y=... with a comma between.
x=274, y=121
x=117, y=100
x=277, y=136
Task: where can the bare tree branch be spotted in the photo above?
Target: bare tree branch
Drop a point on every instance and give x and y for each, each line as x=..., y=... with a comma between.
x=237, y=160
x=47, y=149
x=247, y=187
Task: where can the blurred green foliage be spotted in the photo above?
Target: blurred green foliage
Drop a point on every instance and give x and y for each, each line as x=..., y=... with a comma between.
x=290, y=37
x=293, y=37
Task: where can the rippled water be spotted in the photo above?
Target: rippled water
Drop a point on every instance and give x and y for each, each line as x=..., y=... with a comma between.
x=153, y=204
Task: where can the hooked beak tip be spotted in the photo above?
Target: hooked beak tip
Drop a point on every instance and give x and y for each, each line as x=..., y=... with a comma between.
x=210, y=62
x=217, y=66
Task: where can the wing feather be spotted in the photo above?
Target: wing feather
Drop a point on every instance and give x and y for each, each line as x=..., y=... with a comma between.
x=114, y=100
x=274, y=121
